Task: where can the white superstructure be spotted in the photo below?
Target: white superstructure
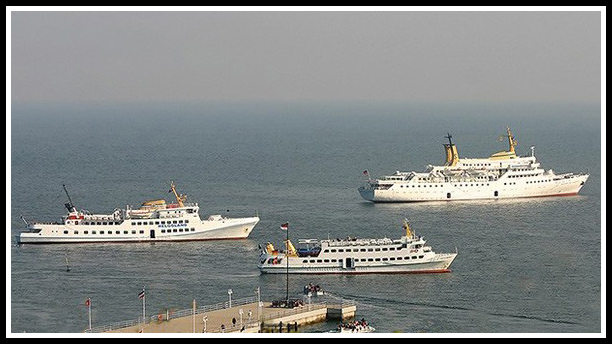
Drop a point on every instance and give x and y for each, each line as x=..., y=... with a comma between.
x=153, y=221
x=502, y=175
x=409, y=254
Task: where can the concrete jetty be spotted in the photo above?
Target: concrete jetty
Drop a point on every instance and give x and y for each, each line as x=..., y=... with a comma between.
x=242, y=316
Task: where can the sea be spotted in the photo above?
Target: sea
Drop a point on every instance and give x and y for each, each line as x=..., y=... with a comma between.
x=528, y=265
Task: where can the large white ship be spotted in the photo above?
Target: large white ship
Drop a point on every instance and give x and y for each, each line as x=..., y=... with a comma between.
x=153, y=221
x=502, y=175
x=409, y=254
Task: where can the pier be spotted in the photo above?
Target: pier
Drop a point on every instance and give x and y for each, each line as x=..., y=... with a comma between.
x=248, y=315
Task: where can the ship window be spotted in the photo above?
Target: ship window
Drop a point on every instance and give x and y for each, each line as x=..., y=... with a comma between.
x=407, y=258
x=125, y=232
x=340, y=250
x=65, y=232
x=186, y=221
x=76, y=232
x=93, y=232
x=370, y=250
x=101, y=232
x=384, y=259
x=86, y=232
x=141, y=231
x=414, y=257
x=304, y=261
x=363, y=250
x=392, y=258
x=377, y=259
x=193, y=229
x=163, y=231
x=133, y=232
x=139, y=223
x=421, y=256
x=174, y=230
x=180, y=230
x=399, y=258
x=180, y=221
x=174, y=221
x=391, y=248
x=325, y=260
x=384, y=249
x=370, y=260
x=377, y=249
x=333, y=251
x=319, y=261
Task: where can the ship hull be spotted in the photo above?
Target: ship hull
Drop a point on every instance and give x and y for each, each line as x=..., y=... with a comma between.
x=480, y=191
x=226, y=229
x=440, y=263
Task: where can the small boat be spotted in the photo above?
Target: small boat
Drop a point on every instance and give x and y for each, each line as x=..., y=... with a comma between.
x=357, y=326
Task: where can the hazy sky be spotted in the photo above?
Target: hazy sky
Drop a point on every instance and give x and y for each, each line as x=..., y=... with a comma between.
x=397, y=56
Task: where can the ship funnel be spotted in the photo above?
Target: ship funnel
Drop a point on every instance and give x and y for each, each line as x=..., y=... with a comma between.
x=452, y=157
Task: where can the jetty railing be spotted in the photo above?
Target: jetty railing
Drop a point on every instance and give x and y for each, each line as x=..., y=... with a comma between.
x=320, y=302
x=171, y=315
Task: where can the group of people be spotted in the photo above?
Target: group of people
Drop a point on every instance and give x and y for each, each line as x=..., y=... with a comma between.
x=287, y=303
x=355, y=326
x=313, y=289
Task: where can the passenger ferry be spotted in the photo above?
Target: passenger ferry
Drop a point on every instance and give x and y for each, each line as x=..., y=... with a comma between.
x=409, y=254
x=502, y=175
x=153, y=221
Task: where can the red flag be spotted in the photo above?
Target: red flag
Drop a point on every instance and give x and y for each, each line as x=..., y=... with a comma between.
x=365, y=172
x=87, y=302
x=284, y=226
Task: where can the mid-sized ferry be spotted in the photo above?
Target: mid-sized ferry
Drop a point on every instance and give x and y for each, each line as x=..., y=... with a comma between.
x=502, y=175
x=409, y=254
x=153, y=221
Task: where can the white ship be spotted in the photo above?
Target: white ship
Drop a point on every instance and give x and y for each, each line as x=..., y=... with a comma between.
x=409, y=254
x=153, y=221
x=502, y=175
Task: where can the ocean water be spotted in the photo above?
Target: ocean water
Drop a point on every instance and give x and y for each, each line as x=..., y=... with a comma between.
x=524, y=265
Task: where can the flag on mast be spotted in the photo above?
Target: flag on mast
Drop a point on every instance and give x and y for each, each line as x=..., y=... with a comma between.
x=284, y=226
x=141, y=295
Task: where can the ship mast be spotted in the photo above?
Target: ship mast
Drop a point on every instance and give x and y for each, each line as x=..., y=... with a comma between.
x=511, y=141
x=69, y=205
x=178, y=198
x=407, y=228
